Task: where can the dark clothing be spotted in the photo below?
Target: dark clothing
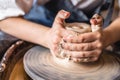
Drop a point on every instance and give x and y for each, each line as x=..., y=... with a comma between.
x=45, y=14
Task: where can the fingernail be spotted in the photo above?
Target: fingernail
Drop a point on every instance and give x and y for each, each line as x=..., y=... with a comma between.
x=65, y=13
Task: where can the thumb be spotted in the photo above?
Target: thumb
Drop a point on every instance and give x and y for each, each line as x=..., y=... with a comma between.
x=60, y=18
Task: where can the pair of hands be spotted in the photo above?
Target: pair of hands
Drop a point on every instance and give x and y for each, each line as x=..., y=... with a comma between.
x=86, y=45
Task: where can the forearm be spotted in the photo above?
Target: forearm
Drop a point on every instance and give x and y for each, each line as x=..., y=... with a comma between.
x=25, y=30
x=112, y=32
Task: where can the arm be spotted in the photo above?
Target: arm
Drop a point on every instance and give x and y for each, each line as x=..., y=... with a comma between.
x=36, y=33
x=17, y=26
x=112, y=32
x=25, y=30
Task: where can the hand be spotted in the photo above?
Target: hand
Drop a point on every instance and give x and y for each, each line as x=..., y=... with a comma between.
x=55, y=34
x=85, y=47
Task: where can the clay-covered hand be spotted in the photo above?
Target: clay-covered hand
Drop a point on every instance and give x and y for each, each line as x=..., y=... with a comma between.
x=55, y=34
x=86, y=47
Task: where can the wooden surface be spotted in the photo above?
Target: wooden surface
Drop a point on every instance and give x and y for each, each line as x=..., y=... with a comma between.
x=14, y=66
x=18, y=72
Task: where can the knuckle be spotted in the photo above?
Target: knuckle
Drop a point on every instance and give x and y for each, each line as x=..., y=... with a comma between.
x=99, y=45
x=95, y=58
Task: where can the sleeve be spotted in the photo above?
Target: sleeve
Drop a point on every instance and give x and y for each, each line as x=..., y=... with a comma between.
x=9, y=8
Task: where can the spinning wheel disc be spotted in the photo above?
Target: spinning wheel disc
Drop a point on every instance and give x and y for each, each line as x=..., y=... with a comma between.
x=40, y=65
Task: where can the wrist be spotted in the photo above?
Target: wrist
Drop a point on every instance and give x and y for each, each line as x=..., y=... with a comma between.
x=43, y=37
x=46, y=38
x=107, y=37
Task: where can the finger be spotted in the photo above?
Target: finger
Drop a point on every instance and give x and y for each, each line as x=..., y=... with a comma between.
x=78, y=47
x=80, y=54
x=60, y=17
x=88, y=37
x=85, y=37
x=93, y=59
x=75, y=54
x=77, y=59
x=82, y=46
x=84, y=59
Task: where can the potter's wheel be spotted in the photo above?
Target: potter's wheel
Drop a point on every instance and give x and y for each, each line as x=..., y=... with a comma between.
x=40, y=65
